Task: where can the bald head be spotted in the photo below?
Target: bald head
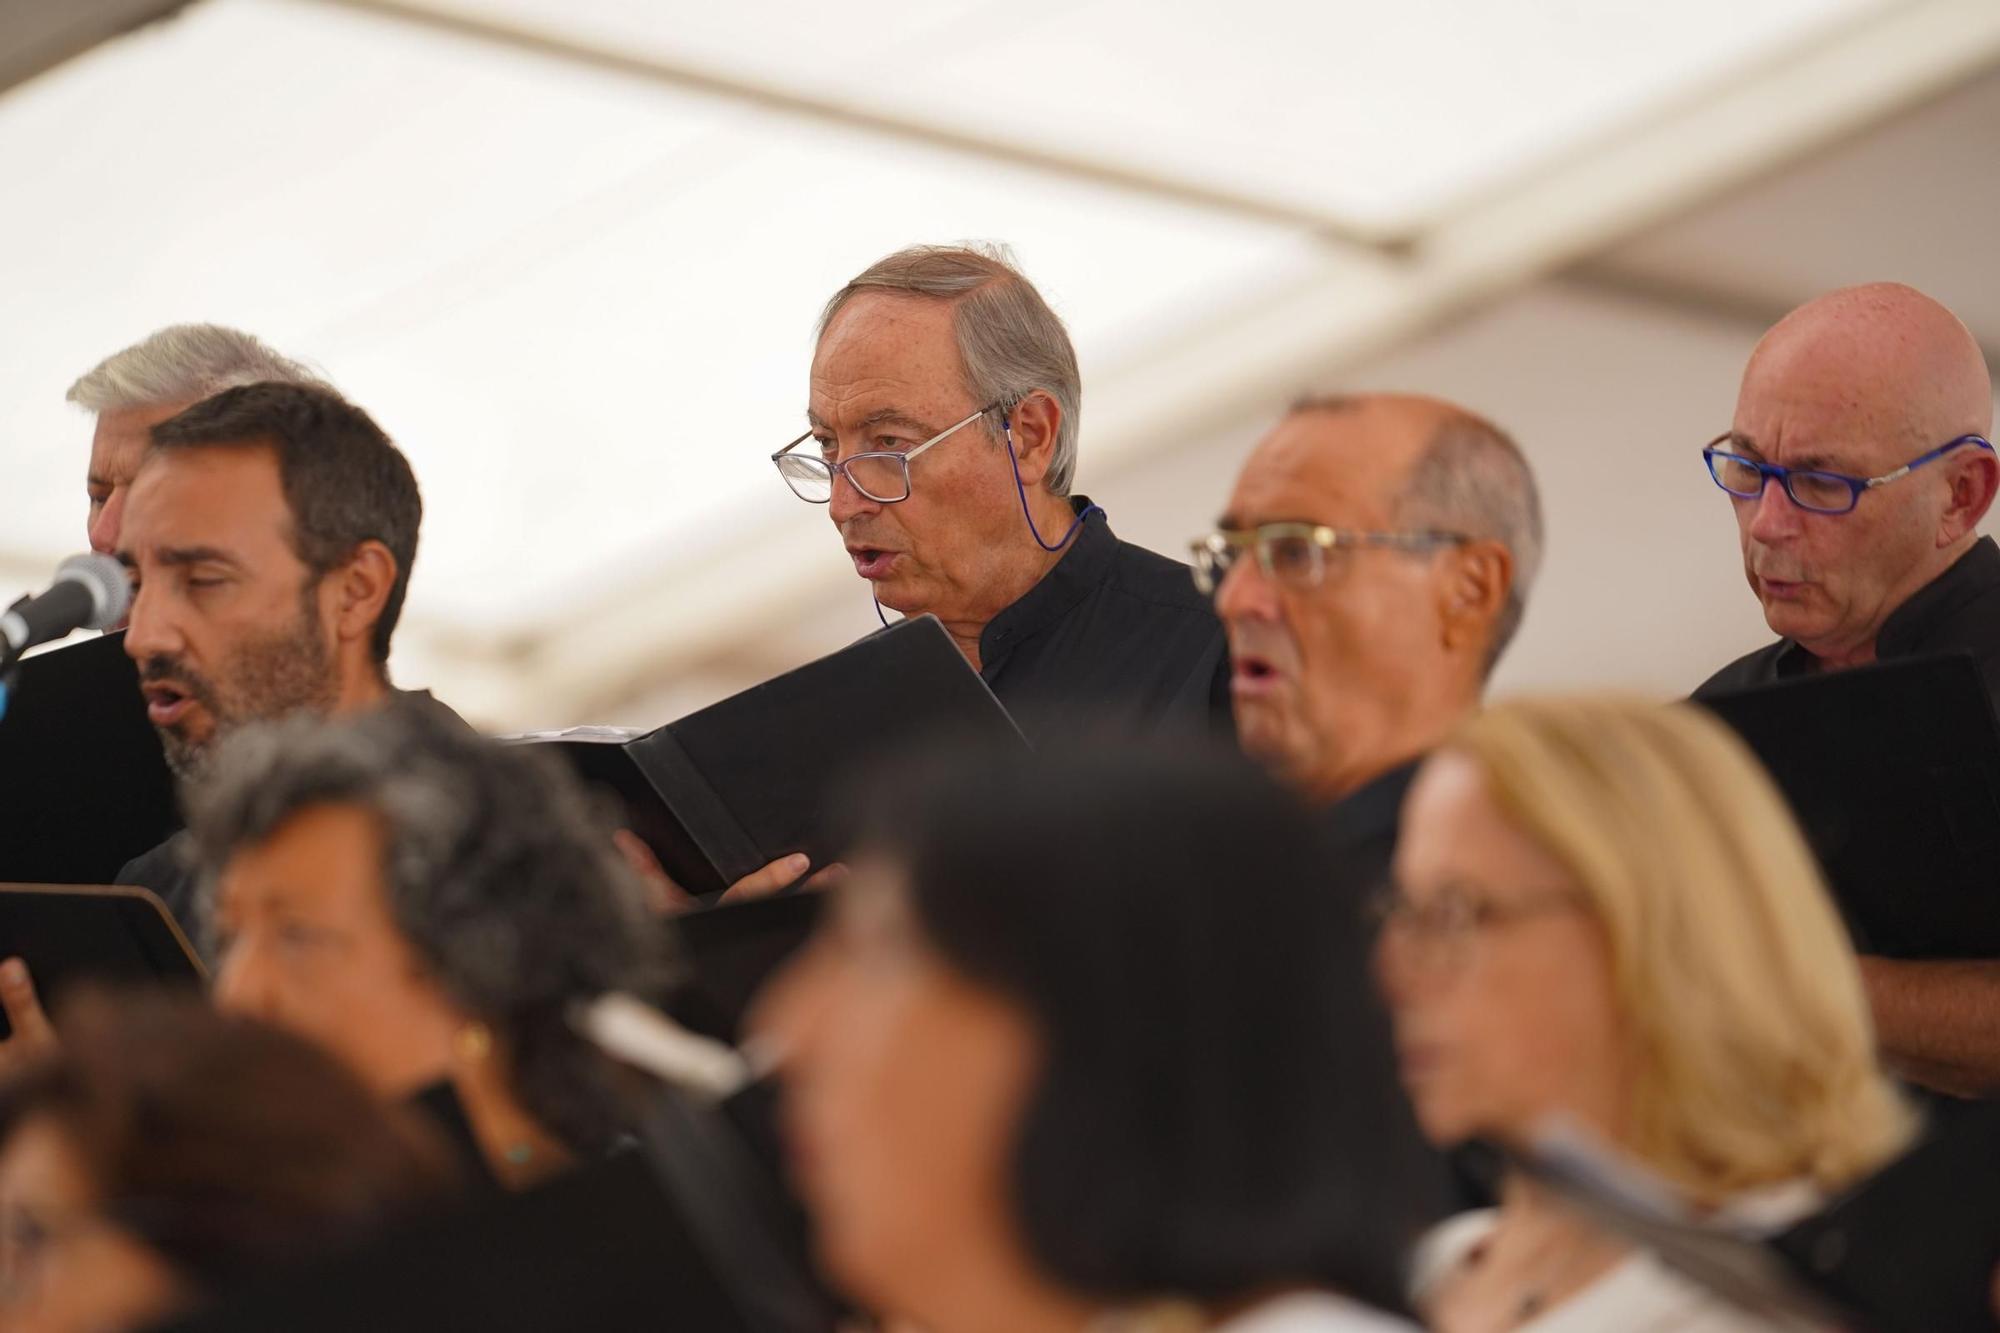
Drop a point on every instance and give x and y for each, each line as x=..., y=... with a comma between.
x=1881, y=354
x=1861, y=382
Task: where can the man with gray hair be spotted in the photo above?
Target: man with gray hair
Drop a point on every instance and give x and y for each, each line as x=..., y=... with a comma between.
x=942, y=438
x=134, y=390
x=1372, y=565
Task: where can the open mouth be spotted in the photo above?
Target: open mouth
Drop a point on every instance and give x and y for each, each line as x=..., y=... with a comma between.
x=166, y=704
x=871, y=562
x=1252, y=673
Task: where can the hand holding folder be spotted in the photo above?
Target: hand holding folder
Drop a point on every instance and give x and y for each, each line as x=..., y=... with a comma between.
x=67, y=935
x=724, y=796
x=28, y=1025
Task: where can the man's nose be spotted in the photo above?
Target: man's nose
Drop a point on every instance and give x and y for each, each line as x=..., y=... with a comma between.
x=1245, y=593
x=848, y=501
x=103, y=530
x=151, y=630
x=1774, y=516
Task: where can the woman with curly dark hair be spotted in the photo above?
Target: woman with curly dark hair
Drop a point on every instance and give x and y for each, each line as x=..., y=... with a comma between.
x=430, y=906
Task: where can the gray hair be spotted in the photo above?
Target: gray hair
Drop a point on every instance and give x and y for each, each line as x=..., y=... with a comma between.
x=501, y=877
x=1471, y=479
x=184, y=363
x=1474, y=479
x=1009, y=340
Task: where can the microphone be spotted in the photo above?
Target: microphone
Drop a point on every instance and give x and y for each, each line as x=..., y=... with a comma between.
x=89, y=592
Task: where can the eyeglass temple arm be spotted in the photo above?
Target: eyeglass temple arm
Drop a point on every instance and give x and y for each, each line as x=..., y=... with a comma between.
x=1933, y=455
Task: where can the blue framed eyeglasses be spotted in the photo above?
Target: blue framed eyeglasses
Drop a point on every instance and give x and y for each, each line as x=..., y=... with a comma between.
x=1810, y=489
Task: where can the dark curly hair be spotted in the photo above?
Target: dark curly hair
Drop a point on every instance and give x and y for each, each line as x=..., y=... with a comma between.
x=499, y=872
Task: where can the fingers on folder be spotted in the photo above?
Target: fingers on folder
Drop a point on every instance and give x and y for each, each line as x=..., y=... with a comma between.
x=782, y=874
x=31, y=1030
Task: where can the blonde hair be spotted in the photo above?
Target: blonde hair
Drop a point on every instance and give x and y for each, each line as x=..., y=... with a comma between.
x=1754, y=1049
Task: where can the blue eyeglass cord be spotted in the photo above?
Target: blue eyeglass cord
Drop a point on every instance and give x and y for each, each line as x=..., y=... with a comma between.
x=1020, y=489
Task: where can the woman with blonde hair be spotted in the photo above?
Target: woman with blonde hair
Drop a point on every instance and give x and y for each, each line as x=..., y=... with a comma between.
x=1605, y=915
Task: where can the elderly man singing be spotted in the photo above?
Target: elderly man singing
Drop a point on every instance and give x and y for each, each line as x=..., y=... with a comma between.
x=1372, y=565
x=942, y=437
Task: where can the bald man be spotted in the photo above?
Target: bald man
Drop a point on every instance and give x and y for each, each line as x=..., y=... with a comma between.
x=1884, y=388
x=1391, y=543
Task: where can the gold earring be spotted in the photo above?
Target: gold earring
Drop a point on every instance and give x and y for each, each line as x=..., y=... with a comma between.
x=472, y=1043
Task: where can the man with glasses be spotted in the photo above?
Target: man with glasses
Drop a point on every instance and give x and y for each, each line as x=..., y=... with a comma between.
x=1372, y=565
x=1859, y=467
x=942, y=435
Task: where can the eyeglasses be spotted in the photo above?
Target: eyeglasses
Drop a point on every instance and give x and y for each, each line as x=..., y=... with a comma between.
x=1446, y=929
x=1296, y=553
x=1809, y=489
x=882, y=476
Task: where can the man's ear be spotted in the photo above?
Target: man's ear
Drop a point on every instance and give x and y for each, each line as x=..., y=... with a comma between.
x=1474, y=580
x=1974, y=479
x=1034, y=423
x=361, y=587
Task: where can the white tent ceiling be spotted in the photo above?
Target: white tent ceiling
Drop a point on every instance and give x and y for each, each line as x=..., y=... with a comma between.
x=569, y=251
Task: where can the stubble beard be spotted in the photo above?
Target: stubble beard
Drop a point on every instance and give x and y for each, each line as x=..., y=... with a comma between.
x=287, y=672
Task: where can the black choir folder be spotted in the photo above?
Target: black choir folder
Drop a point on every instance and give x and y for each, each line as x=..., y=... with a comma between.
x=69, y=934
x=746, y=781
x=1893, y=771
x=83, y=785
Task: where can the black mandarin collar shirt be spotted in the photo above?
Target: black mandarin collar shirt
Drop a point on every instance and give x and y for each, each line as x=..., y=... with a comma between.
x=1361, y=829
x=1956, y=612
x=1114, y=636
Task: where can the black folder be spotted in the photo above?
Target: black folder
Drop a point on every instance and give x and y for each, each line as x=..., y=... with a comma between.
x=1914, y=1248
x=1893, y=771
x=747, y=780
x=84, y=787
x=69, y=934
x=599, y=759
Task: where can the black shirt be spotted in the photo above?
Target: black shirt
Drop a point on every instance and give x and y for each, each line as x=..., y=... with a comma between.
x=1956, y=612
x=1360, y=830
x=168, y=870
x=1113, y=636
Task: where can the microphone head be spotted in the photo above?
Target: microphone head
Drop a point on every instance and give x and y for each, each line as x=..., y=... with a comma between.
x=110, y=587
